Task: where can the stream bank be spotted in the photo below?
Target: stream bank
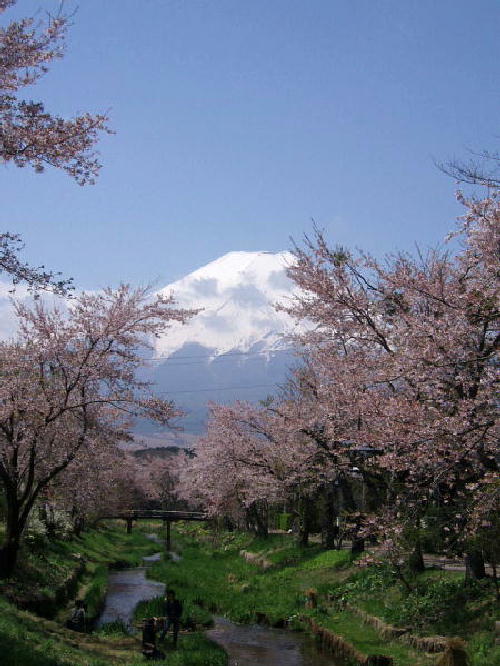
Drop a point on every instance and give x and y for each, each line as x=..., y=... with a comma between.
x=214, y=579
x=127, y=587
x=125, y=590
x=248, y=645
x=53, y=572
x=33, y=640
x=30, y=640
x=130, y=590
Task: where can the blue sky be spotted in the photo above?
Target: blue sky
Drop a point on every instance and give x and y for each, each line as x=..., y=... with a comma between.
x=238, y=121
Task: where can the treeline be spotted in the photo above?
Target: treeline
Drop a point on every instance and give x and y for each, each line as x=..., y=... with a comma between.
x=388, y=428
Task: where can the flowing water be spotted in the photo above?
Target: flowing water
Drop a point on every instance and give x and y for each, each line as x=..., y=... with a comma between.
x=249, y=645
x=126, y=588
x=246, y=645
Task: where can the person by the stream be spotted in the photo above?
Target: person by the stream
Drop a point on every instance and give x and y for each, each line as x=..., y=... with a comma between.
x=77, y=619
x=173, y=612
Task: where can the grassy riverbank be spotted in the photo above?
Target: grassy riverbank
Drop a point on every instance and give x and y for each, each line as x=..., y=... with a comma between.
x=50, y=573
x=27, y=639
x=213, y=576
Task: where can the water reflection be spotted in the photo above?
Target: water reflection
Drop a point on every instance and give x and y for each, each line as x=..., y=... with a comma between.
x=125, y=590
x=248, y=645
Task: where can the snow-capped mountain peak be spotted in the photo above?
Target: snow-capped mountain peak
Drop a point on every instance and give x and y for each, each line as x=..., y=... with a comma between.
x=237, y=293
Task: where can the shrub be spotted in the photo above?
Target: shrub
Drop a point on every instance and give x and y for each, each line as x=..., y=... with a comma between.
x=372, y=579
x=440, y=604
x=483, y=651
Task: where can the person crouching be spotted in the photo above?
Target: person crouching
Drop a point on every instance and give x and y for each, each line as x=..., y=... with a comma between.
x=149, y=649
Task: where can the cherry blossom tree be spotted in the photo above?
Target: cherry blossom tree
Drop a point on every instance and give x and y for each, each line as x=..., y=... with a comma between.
x=399, y=377
x=101, y=480
x=155, y=478
x=253, y=456
x=31, y=136
x=36, y=278
x=481, y=168
x=68, y=383
x=408, y=349
x=230, y=472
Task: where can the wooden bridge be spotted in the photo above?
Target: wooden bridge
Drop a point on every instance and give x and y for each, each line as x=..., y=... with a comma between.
x=167, y=517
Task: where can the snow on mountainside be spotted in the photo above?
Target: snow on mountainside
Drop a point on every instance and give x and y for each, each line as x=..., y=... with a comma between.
x=235, y=348
x=237, y=293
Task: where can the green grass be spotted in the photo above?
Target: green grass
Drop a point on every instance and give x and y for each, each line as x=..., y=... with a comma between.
x=213, y=575
x=197, y=650
x=439, y=605
x=367, y=640
x=112, y=544
x=483, y=651
x=115, y=628
x=95, y=592
x=222, y=580
x=193, y=615
x=27, y=639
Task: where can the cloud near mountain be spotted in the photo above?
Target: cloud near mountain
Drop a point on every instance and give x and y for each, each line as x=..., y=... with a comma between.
x=235, y=348
x=237, y=294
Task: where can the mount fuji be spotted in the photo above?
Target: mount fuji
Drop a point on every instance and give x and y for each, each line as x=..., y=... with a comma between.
x=235, y=348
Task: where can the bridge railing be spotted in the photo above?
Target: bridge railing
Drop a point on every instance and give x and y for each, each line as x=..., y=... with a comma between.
x=158, y=514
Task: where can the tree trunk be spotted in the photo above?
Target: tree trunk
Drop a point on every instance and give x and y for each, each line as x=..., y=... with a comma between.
x=305, y=521
x=416, y=559
x=346, y=496
x=78, y=525
x=357, y=545
x=8, y=557
x=303, y=536
x=10, y=547
x=474, y=565
x=261, y=521
x=329, y=516
x=228, y=524
x=48, y=519
x=257, y=521
x=495, y=579
x=18, y=512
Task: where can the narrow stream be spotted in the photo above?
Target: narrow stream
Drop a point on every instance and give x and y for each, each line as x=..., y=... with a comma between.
x=246, y=645
x=126, y=588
